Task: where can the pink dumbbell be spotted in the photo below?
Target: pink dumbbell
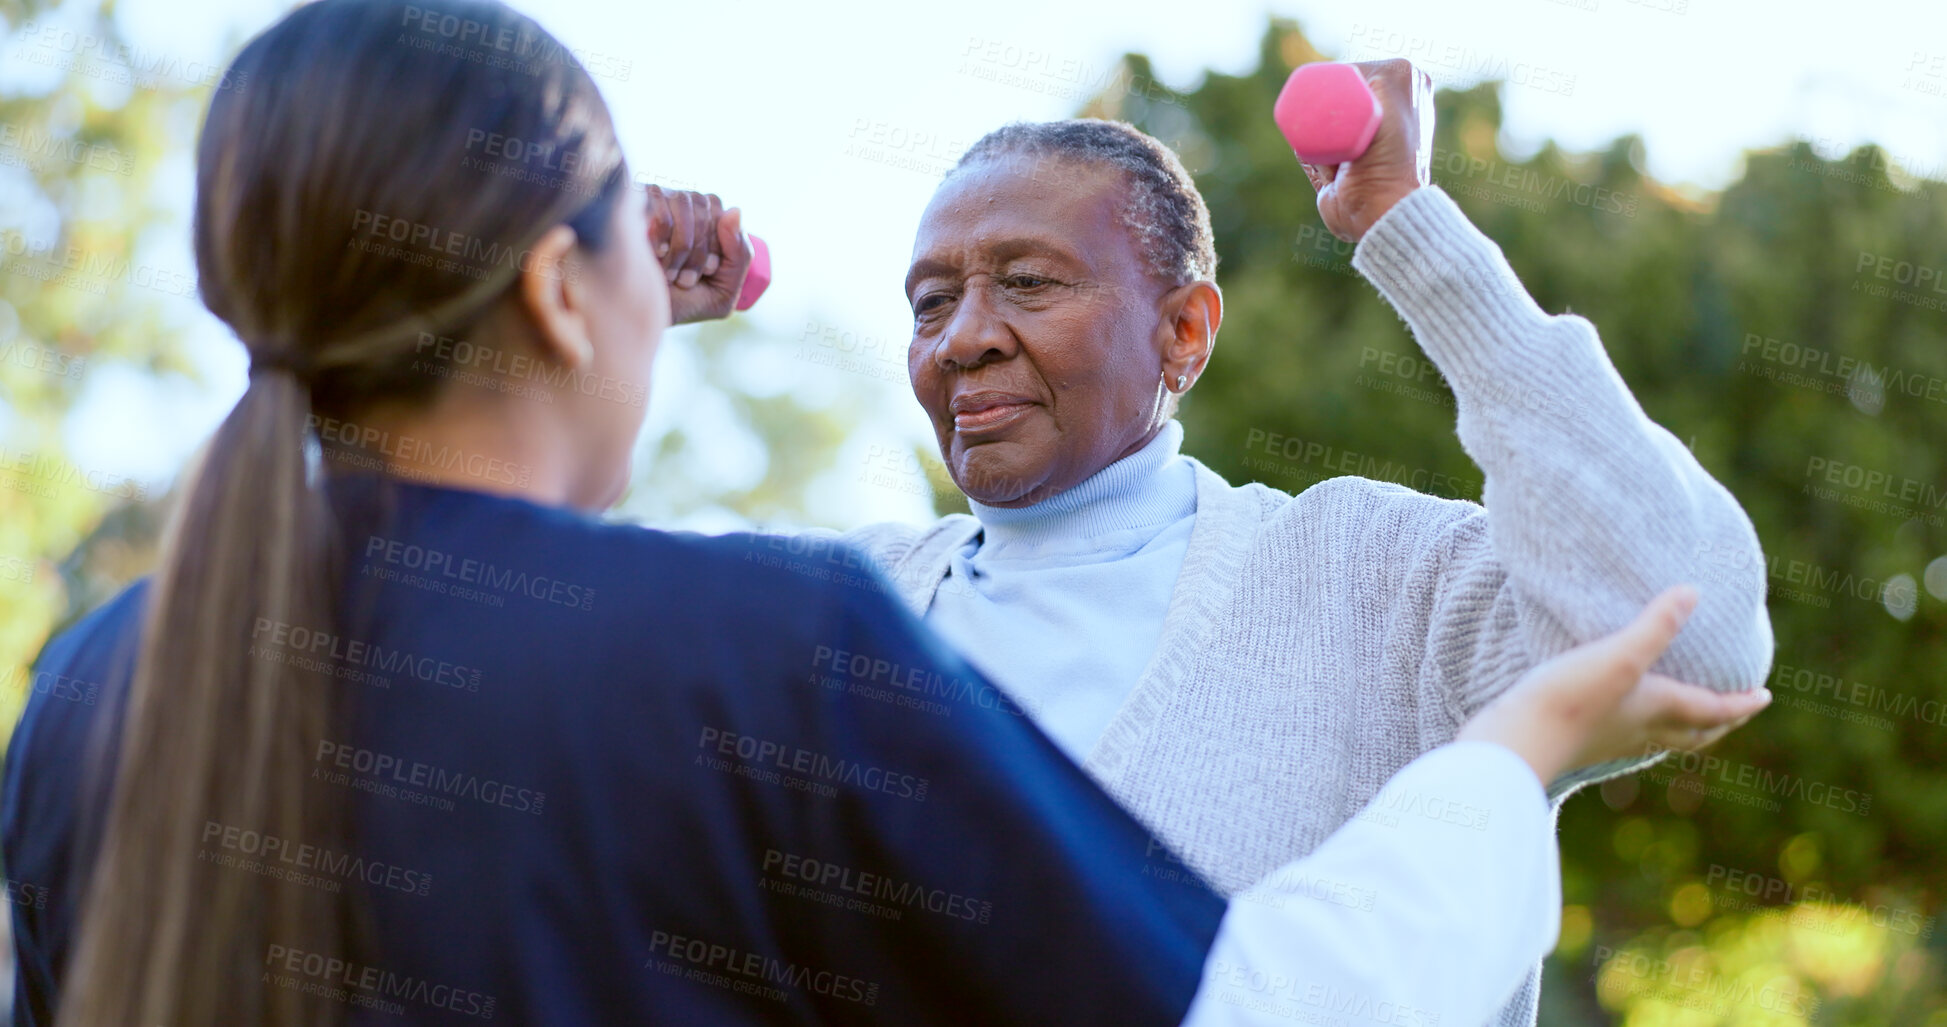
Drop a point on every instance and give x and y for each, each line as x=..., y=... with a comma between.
x=759, y=278
x=1327, y=112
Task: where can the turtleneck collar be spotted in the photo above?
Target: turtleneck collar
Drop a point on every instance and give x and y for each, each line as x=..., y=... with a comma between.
x=1148, y=489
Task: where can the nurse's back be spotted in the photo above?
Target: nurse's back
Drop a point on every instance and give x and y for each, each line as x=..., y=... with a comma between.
x=607, y=775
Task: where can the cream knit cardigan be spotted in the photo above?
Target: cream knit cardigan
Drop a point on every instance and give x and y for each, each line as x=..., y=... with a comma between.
x=1315, y=644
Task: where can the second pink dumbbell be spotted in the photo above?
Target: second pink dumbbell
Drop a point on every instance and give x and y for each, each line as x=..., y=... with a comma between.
x=1327, y=113
x=759, y=277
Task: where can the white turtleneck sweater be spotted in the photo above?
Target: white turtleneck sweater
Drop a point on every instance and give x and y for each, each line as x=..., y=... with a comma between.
x=1063, y=601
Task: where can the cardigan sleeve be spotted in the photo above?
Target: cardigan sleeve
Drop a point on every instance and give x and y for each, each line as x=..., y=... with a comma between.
x=1592, y=508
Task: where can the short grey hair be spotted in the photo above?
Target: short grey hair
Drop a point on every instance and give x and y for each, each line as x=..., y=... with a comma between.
x=1164, y=210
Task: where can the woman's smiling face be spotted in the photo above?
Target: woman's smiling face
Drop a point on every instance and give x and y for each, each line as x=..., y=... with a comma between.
x=1038, y=340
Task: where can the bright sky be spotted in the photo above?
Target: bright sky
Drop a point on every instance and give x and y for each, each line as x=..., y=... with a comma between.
x=811, y=116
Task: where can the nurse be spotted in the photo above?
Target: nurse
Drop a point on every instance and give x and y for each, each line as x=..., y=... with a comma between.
x=401, y=730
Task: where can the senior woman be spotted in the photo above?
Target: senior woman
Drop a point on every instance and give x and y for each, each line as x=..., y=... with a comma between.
x=1240, y=667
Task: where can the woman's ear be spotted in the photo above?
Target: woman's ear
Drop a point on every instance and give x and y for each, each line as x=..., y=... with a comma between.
x=1191, y=316
x=555, y=297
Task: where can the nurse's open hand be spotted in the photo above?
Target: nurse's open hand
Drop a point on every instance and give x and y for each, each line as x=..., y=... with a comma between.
x=1599, y=701
x=1354, y=196
x=703, y=251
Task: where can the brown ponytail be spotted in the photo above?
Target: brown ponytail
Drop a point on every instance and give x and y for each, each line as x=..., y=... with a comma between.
x=341, y=112
x=210, y=737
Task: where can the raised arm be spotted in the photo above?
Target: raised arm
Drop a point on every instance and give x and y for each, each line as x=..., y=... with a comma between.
x=1591, y=507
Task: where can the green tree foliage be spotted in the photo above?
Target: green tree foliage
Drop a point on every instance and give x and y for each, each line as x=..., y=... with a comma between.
x=78, y=291
x=1729, y=316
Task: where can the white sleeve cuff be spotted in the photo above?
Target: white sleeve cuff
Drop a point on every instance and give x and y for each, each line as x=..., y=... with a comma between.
x=1427, y=908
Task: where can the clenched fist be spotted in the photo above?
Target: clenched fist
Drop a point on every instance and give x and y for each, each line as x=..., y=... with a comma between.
x=703, y=251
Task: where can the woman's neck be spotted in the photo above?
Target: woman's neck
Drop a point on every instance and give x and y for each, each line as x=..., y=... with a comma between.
x=1150, y=487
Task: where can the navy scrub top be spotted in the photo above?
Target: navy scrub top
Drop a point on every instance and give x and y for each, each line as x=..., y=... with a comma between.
x=603, y=774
